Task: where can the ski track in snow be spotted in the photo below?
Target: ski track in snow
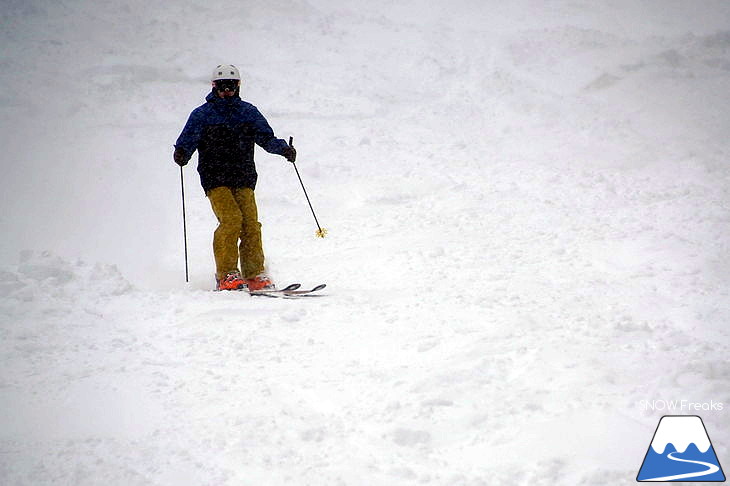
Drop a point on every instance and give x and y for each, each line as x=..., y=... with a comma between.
x=528, y=235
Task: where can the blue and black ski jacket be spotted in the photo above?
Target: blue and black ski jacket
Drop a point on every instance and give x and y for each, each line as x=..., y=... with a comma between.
x=224, y=131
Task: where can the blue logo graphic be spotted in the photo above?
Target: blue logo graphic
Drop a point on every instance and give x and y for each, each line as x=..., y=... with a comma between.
x=681, y=451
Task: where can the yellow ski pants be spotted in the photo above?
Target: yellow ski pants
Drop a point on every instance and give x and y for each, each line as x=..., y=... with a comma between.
x=238, y=236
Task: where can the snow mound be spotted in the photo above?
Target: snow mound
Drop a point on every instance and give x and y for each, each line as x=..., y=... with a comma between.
x=44, y=275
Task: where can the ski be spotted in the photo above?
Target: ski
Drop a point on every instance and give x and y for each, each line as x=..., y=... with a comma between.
x=290, y=291
x=305, y=292
x=288, y=288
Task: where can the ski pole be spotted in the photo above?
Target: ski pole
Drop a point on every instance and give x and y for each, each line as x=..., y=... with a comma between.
x=321, y=232
x=185, y=229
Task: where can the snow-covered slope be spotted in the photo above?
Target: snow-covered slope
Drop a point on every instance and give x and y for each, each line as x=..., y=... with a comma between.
x=547, y=180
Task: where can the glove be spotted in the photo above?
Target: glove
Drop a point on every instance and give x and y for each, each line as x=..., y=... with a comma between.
x=180, y=156
x=290, y=154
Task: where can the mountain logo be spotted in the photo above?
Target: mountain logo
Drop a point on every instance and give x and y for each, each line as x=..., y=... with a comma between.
x=681, y=451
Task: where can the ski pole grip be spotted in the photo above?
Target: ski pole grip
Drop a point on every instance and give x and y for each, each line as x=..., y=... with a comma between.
x=291, y=141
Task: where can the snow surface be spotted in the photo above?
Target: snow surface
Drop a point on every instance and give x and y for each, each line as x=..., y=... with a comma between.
x=553, y=175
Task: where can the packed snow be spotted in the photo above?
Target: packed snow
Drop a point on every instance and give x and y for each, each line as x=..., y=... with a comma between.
x=528, y=206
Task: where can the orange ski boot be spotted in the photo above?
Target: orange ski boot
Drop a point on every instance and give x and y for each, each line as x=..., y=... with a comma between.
x=232, y=281
x=260, y=282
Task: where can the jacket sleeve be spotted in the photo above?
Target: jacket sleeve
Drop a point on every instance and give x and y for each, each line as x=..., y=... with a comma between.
x=190, y=136
x=265, y=136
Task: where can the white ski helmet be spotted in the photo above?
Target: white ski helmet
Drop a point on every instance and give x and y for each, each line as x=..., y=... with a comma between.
x=225, y=71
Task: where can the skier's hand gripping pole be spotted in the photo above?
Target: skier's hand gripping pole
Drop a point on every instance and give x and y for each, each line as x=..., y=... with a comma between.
x=321, y=232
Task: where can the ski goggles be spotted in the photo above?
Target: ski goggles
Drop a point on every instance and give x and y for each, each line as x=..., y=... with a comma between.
x=226, y=84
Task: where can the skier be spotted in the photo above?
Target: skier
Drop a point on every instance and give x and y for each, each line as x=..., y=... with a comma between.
x=223, y=131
